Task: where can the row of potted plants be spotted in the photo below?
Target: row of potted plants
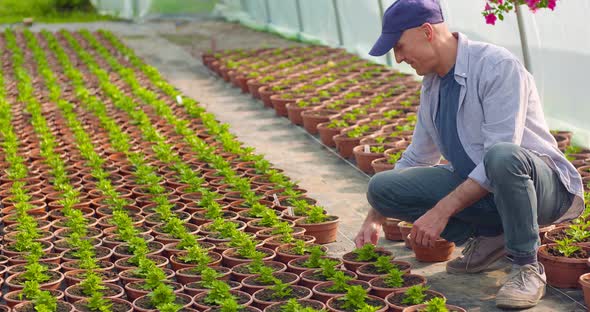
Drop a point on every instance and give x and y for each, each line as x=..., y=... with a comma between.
x=132, y=142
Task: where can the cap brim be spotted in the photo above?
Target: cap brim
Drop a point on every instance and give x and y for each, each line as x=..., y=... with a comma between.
x=384, y=44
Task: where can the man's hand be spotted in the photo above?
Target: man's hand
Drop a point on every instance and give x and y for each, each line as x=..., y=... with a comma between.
x=427, y=229
x=369, y=232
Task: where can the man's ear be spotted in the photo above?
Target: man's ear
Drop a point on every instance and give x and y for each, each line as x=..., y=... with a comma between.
x=428, y=31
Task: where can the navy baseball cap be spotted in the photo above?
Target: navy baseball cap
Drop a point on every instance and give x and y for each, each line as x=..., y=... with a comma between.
x=403, y=15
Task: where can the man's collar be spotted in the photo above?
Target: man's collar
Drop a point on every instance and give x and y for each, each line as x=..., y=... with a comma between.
x=461, y=63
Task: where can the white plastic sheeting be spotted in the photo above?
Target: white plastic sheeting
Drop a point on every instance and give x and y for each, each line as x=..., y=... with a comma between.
x=558, y=42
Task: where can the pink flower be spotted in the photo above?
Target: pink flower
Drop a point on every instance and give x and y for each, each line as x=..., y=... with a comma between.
x=533, y=4
x=551, y=4
x=500, y=1
x=488, y=7
x=491, y=19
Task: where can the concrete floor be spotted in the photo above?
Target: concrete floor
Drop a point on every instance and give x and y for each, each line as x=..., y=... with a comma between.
x=175, y=51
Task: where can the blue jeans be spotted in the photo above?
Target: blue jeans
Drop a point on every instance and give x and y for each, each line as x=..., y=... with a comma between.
x=526, y=193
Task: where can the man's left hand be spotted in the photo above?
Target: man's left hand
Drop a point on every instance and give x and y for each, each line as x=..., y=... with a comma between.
x=427, y=229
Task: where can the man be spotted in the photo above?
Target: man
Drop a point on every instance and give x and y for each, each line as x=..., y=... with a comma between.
x=480, y=109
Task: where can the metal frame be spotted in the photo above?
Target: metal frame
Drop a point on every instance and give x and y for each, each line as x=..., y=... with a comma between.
x=299, y=17
x=338, y=25
x=523, y=39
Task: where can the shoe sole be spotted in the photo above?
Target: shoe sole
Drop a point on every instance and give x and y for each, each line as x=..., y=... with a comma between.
x=492, y=258
x=507, y=303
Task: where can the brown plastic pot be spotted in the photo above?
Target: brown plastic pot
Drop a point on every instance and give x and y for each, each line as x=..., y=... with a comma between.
x=62, y=306
x=142, y=304
x=421, y=307
x=306, y=303
x=230, y=259
x=442, y=251
x=117, y=304
x=350, y=262
x=250, y=286
x=362, y=273
x=562, y=272
x=72, y=297
x=391, y=229
x=374, y=299
x=320, y=294
x=178, y=264
x=295, y=265
x=396, y=307
x=382, y=292
x=186, y=275
x=239, y=276
x=261, y=304
x=324, y=232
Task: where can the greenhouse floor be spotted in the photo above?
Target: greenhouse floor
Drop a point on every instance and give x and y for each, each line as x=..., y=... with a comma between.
x=174, y=49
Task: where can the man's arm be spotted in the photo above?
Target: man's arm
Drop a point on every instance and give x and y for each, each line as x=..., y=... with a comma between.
x=505, y=91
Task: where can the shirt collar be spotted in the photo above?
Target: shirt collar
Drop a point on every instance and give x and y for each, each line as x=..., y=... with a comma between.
x=461, y=63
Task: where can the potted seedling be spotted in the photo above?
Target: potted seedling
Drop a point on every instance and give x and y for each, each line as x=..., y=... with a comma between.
x=338, y=285
x=356, y=299
x=436, y=304
x=244, y=270
x=319, y=225
x=312, y=261
x=266, y=278
x=384, y=264
x=296, y=250
x=217, y=294
x=279, y=292
x=368, y=253
x=417, y=294
x=394, y=280
x=564, y=262
x=294, y=305
x=327, y=270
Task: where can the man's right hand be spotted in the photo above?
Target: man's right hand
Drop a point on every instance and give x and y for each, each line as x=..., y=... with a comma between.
x=369, y=231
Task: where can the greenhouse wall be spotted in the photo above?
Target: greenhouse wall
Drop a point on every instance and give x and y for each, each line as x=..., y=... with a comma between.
x=559, y=58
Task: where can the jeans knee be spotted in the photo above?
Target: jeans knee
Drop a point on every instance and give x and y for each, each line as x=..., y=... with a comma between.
x=376, y=190
x=500, y=159
x=383, y=195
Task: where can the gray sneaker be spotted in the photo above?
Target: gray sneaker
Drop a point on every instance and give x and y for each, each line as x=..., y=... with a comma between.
x=524, y=288
x=479, y=253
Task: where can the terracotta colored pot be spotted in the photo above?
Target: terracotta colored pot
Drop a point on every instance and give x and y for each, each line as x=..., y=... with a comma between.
x=244, y=299
x=324, y=232
x=284, y=257
x=12, y=297
x=186, y=276
x=308, y=281
x=319, y=292
x=396, y=307
x=442, y=251
x=72, y=297
x=376, y=300
x=381, y=164
x=178, y=264
x=142, y=304
x=365, y=158
x=261, y=304
x=250, y=285
x=380, y=291
x=133, y=291
x=350, y=262
x=392, y=230
x=229, y=260
x=562, y=272
x=584, y=281
x=364, y=274
x=420, y=307
x=62, y=306
x=49, y=285
x=327, y=134
x=306, y=303
x=295, y=265
x=117, y=304
x=312, y=118
x=238, y=275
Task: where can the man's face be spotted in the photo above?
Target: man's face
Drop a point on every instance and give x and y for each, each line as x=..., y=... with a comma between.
x=416, y=50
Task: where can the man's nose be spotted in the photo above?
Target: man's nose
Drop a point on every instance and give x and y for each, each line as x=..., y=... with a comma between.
x=398, y=57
